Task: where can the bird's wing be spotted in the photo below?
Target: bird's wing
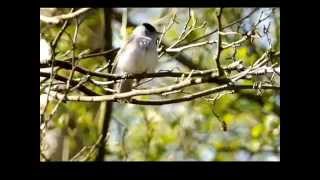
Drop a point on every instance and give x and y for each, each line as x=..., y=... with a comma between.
x=116, y=59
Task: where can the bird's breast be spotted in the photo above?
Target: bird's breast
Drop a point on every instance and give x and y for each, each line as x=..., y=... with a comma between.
x=138, y=58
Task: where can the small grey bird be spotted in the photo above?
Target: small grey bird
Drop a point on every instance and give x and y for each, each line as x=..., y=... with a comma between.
x=138, y=55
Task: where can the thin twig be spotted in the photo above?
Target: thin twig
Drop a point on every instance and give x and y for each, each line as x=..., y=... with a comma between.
x=84, y=149
x=74, y=40
x=52, y=75
x=227, y=26
x=219, y=48
x=185, y=34
x=181, y=38
x=182, y=48
x=166, y=29
x=199, y=94
x=224, y=125
x=235, y=43
x=72, y=82
x=85, y=56
x=59, y=18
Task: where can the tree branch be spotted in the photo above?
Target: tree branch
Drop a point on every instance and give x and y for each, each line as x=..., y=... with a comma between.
x=72, y=82
x=219, y=49
x=59, y=18
x=67, y=65
x=185, y=83
x=227, y=26
x=110, y=52
x=52, y=74
x=200, y=94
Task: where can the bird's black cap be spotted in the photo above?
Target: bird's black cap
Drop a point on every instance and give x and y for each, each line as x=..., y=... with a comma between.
x=149, y=27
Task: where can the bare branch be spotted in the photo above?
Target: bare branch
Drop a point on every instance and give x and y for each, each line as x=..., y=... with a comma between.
x=85, y=71
x=74, y=39
x=72, y=82
x=58, y=19
x=181, y=48
x=219, y=48
x=199, y=94
x=233, y=44
x=84, y=56
x=166, y=28
x=227, y=26
x=52, y=74
x=185, y=83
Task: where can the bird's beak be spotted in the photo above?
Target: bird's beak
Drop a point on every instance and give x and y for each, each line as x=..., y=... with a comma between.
x=159, y=32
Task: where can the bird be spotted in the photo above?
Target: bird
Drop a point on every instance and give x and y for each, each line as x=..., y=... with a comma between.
x=138, y=55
